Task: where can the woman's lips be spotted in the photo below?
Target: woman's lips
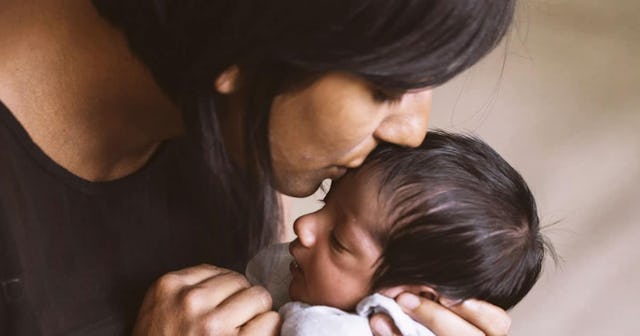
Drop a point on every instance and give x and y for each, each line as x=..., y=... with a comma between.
x=336, y=172
x=339, y=171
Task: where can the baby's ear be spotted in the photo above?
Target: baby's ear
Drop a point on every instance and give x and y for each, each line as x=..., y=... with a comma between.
x=420, y=290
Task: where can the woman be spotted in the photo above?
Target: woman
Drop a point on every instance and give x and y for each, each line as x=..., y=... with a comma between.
x=137, y=134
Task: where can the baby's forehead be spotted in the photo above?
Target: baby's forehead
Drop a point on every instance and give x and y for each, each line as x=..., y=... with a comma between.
x=360, y=196
x=357, y=190
x=365, y=179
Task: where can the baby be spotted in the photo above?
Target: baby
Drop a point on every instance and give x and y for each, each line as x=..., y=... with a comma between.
x=448, y=220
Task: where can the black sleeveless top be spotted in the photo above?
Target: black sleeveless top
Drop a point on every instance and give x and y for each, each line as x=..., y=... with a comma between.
x=76, y=257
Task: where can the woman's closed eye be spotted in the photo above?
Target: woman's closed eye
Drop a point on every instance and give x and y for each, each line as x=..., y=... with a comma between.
x=386, y=96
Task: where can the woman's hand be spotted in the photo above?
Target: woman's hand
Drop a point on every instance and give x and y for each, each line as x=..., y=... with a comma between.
x=206, y=300
x=470, y=317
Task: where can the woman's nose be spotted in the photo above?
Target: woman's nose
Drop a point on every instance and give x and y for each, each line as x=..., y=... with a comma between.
x=406, y=124
x=304, y=228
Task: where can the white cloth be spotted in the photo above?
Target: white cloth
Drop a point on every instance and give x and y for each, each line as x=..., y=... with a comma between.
x=300, y=319
x=270, y=269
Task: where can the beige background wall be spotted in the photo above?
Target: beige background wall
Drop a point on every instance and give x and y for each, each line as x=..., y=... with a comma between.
x=564, y=112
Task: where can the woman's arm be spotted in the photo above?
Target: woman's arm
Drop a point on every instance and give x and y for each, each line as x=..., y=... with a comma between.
x=470, y=317
x=206, y=300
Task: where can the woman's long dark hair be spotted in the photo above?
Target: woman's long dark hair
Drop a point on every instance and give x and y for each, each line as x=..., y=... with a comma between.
x=394, y=44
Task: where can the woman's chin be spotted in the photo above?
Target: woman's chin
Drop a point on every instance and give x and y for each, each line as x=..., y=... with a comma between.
x=298, y=187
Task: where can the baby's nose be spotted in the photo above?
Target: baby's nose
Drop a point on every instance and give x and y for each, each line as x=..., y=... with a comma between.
x=303, y=227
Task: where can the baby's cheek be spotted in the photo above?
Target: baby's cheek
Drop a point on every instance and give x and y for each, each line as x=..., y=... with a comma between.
x=350, y=292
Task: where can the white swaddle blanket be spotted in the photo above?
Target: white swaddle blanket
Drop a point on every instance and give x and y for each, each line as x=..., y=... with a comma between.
x=270, y=269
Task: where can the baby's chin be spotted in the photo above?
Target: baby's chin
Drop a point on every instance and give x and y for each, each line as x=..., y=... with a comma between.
x=296, y=295
x=292, y=295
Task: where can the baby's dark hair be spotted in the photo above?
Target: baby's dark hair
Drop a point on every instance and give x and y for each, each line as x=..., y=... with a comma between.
x=460, y=220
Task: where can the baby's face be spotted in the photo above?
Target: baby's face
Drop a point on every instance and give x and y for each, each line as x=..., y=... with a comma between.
x=336, y=253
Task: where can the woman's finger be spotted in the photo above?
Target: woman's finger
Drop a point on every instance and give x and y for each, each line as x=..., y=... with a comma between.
x=170, y=285
x=195, y=274
x=492, y=320
x=202, y=300
x=201, y=297
x=241, y=307
x=440, y=320
x=265, y=324
x=382, y=325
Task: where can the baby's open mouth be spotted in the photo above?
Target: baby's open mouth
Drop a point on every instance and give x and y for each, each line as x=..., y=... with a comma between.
x=294, y=267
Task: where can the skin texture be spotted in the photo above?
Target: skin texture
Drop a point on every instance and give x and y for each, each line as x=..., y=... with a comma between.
x=71, y=81
x=186, y=300
x=335, y=252
x=339, y=119
x=90, y=105
x=336, y=256
x=471, y=317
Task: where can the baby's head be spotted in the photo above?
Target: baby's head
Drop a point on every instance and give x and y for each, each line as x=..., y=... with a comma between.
x=450, y=219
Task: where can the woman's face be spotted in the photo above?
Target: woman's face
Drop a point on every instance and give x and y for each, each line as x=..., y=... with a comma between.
x=321, y=130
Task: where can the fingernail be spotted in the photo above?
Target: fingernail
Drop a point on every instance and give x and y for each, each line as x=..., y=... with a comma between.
x=382, y=328
x=448, y=302
x=409, y=301
x=470, y=304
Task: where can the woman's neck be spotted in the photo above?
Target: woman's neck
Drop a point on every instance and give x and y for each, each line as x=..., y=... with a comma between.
x=72, y=82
